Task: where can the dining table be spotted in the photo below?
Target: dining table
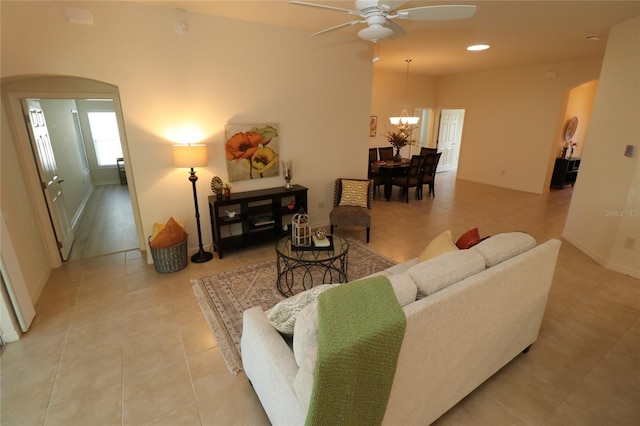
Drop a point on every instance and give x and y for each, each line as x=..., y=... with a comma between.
x=390, y=170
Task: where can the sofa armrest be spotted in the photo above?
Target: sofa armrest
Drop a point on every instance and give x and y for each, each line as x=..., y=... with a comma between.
x=271, y=367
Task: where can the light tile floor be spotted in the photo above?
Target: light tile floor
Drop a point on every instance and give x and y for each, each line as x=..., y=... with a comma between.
x=116, y=343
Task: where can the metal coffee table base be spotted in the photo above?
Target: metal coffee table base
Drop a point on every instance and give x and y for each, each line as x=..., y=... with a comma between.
x=302, y=269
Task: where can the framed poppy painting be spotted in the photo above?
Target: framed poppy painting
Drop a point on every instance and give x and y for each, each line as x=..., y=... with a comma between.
x=251, y=151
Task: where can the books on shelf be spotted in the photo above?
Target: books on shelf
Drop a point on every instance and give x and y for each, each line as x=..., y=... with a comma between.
x=262, y=220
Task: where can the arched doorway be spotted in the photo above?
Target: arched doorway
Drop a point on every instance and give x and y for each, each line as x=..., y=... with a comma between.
x=16, y=89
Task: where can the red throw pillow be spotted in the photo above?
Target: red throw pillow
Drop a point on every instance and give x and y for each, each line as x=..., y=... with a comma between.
x=468, y=239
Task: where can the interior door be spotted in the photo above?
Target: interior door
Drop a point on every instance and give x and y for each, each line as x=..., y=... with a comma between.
x=449, y=137
x=48, y=173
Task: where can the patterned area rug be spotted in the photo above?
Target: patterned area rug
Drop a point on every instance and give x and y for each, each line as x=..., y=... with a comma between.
x=223, y=297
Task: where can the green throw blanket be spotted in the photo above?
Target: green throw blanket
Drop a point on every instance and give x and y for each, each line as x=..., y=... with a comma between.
x=360, y=331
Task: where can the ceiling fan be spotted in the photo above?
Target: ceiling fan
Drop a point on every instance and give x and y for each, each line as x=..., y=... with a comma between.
x=379, y=15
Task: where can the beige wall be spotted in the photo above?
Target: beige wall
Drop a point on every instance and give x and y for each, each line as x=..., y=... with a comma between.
x=18, y=211
x=511, y=121
x=221, y=71
x=388, y=99
x=605, y=207
x=580, y=105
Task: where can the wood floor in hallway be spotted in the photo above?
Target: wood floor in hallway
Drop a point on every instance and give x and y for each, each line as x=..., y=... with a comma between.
x=107, y=225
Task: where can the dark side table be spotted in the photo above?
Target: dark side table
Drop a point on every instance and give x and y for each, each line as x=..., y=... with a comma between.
x=309, y=266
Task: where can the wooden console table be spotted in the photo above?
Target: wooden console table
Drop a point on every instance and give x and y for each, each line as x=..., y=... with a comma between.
x=565, y=172
x=259, y=216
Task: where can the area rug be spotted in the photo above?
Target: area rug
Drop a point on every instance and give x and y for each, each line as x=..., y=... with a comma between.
x=223, y=297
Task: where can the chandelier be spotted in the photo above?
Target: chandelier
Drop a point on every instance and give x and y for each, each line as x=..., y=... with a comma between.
x=404, y=122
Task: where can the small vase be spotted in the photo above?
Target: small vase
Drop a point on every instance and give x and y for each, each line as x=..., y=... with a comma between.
x=397, y=158
x=226, y=192
x=287, y=171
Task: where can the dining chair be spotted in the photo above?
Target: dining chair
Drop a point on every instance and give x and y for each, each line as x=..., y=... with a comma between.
x=429, y=172
x=386, y=153
x=374, y=173
x=413, y=177
x=352, y=203
x=373, y=155
x=424, y=150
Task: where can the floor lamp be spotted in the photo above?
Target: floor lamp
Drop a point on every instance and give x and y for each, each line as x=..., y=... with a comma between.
x=190, y=156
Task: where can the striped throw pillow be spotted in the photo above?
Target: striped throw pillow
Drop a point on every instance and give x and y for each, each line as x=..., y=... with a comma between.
x=354, y=193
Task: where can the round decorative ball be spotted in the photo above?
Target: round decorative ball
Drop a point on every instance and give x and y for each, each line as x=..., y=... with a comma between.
x=321, y=233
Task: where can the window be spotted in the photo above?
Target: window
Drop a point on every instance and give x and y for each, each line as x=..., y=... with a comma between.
x=106, y=139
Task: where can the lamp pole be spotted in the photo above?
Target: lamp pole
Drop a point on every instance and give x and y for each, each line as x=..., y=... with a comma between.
x=201, y=256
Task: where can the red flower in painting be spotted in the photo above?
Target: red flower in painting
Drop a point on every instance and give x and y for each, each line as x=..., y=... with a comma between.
x=242, y=145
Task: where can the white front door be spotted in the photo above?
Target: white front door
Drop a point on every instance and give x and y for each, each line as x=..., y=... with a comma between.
x=50, y=181
x=449, y=137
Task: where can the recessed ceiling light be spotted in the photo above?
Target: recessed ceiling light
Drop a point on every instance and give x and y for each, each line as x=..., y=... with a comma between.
x=593, y=37
x=478, y=47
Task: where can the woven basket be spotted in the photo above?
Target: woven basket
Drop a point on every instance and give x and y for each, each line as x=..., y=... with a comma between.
x=170, y=259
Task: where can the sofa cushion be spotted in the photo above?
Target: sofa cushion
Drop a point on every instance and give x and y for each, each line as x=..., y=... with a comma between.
x=439, y=245
x=468, y=239
x=435, y=274
x=283, y=315
x=404, y=288
x=305, y=334
x=402, y=267
x=504, y=246
x=305, y=329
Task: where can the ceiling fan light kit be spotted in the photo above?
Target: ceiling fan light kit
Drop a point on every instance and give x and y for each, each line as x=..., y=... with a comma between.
x=378, y=15
x=375, y=33
x=404, y=122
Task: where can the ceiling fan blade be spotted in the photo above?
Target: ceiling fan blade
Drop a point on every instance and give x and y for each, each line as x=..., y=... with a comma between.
x=337, y=27
x=323, y=6
x=397, y=29
x=437, y=13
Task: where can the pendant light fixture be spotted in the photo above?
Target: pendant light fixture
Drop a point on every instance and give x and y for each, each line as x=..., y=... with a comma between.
x=404, y=122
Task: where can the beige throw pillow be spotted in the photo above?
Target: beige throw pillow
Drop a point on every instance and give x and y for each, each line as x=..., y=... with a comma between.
x=283, y=315
x=354, y=193
x=439, y=245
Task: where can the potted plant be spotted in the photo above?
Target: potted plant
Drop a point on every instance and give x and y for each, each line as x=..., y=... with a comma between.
x=398, y=141
x=226, y=189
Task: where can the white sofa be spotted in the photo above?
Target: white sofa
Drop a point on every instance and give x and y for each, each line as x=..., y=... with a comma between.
x=476, y=310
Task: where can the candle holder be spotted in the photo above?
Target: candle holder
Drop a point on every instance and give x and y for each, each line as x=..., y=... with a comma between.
x=287, y=172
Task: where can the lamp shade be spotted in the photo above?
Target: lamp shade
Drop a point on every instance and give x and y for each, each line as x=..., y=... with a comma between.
x=194, y=155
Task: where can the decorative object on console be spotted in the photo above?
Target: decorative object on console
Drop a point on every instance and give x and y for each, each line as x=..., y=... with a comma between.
x=569, y=131
x=287, y=172
x=216, y=186
x=251, y=151
x=301, y=229
x=226, y=190
x=190, y=156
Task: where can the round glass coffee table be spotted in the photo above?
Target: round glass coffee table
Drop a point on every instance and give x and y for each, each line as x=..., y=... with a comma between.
x=299, y=268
